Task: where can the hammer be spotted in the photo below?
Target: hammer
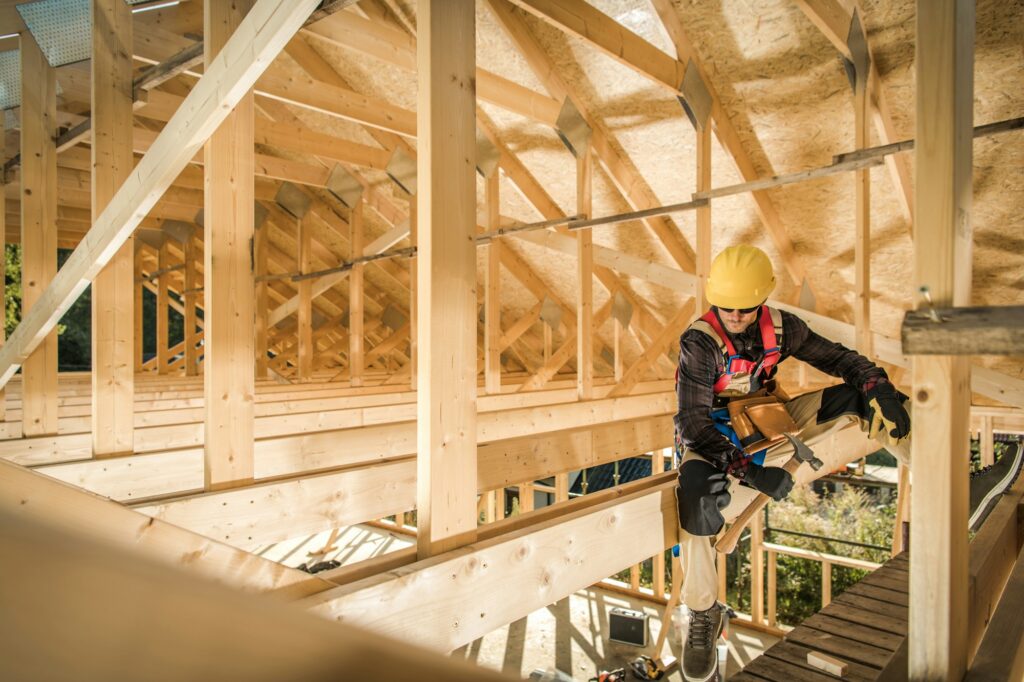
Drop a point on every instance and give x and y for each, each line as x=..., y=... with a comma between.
x=727, y=543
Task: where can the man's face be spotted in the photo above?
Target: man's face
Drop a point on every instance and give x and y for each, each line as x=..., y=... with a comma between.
x=736, y=321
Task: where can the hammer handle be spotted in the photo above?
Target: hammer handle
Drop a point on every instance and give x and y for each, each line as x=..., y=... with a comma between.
x=727, y=543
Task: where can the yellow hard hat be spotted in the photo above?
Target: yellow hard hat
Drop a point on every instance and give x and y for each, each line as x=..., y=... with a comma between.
x=741, y=277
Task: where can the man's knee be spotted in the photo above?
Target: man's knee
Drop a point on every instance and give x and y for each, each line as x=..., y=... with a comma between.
x=702, y=494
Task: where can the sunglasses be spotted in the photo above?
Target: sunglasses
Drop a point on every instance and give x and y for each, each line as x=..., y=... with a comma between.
x=741, y=311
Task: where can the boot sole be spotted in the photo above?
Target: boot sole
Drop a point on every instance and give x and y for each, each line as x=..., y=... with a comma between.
x=987, y=502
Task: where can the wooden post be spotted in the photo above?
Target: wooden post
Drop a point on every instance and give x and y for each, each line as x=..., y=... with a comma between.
x=190, y=299
x=902, y=509
x=757, y=569
x=113, y=296
x=163, y=309
x=138, y=289
x=446, y=297
x=355, y=299
x=3, y=256
x=862, y=238
x=305, y=315
x=229, y=289
x=617, y=367
x=826, y=583
x=585, y=271
x=941, y=384
x=492, y=293
x=262, y=301
x=526, y=497
x=772, y=588
x=658, y=560
x=723, y=585
x=38, y=229
x=703, y=237
x=413, y=293
x=562, y=487
x=986, y=444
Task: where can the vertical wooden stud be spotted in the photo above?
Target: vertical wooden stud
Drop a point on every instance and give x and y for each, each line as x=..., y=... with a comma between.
x=228, y=290
x=163, y=309
x=413, y=292
x=355, y=299
x=757, y=569
x=138, y=288
x=826, y=583
x=492, y=294
x=902, y=509
x=526, y=497
x=113, y=319
x=658, y=560
x=3, y=257
x=446, y=396
x=986, y=442
x=305, y=312
x=941, y=384
x=585, y=272
x=38, y=229
x=262, y=301
x=190, y=300
x=703, y=237
x=862, y=238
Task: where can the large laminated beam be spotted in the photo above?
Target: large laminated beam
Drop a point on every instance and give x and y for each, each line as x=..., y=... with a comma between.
x=266, y=29
x=229, y=286
x=38, y=235
x=107, y=613
x=941, y=384
x=446, y=276
x=113, y=295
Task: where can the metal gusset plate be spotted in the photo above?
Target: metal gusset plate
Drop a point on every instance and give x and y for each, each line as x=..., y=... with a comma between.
x=345, y=187
x=608, y=356
x=62, y=28
x=550, y=313
x=860, y=59
x=622, y=310
x=487, y=155
x=10, y=81
x=393, y=317
x=293, y=200
x=178, y=230
x=696, y=99
x=402, y=169
x=572, y=128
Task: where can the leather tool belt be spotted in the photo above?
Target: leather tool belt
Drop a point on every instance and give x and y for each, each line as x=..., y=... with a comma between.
x=760, y=421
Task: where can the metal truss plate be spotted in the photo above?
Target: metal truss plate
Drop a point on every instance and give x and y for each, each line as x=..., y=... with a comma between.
x=10, y=80
x=696, y=98
x=857, y=43
x=402, y=169
x=178, y=230
x=572, y=128
x=293, y=200
x=807, y=300
x=608, y=356
x=622, y=310
x=259, y=215
x=344, y=186
x=150, y=237
x=487, y=155
x=393, y=317
x=550, y=313
x=62, y=28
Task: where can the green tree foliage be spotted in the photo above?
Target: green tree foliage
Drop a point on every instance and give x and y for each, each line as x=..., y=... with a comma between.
x=74, y=333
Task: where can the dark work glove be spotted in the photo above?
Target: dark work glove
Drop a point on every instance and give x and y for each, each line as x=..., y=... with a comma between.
x=886, y=413
x=775, y=482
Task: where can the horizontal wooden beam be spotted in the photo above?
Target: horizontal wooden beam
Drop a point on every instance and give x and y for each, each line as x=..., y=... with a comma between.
x=570, y=552
x=983, y=330
x=254, y=45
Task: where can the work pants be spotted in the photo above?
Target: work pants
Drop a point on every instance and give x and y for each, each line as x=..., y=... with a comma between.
x=833, y=419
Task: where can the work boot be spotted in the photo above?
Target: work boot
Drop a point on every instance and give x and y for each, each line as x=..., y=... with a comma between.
x=700, y=653
x=988, y=484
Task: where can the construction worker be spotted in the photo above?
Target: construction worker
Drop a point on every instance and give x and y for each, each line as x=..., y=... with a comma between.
x=730, y=354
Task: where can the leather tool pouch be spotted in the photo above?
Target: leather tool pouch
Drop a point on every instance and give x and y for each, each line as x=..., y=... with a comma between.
x=760, y=421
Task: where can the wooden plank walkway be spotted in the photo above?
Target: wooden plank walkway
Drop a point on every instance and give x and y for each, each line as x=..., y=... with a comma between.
x=864, y=626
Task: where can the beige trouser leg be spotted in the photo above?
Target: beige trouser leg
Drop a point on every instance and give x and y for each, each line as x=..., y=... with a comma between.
x=836, y=443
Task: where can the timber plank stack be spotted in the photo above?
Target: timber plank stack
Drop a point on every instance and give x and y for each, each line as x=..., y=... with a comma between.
x=864, y=627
